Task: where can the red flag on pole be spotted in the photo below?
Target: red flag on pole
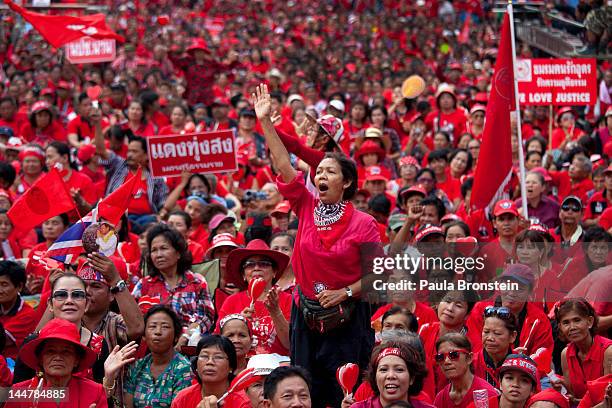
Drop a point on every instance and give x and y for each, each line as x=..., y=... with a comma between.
x=60, y=30
x=495, y=160
x=112, y=207
x=47, y=198
x=464, y=35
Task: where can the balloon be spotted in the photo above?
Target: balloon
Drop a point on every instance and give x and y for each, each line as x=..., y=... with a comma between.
x=256, y=288
x=347, y=376
x=163, y=20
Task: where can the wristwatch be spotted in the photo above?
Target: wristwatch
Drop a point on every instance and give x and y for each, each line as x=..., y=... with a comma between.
x=349, y=292
x=119, y=287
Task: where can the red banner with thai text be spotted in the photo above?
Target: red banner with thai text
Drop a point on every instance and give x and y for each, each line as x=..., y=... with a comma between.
x=559, y=82
x=88, y=50
x=207, y=152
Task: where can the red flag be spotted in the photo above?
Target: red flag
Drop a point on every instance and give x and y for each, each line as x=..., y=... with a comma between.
x=495, y=160
x=464, y=35
x=60, y=30
x=47, y=198
x=112, y=207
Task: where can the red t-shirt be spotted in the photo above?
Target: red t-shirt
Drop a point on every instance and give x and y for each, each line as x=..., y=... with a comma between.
x=84, y=184
x=191, y=397
x=197, y=251
x=264, y=332
x=424, y=315
x=140, y=200
x=457, y=120
x=19, y=119
x=83, y=129
x=18, y=323
x=443, y=398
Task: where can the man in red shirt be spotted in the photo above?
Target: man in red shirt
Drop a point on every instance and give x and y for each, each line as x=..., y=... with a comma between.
x=499, y=252
x=80, y=129
x=576, y=181
x=569, y=233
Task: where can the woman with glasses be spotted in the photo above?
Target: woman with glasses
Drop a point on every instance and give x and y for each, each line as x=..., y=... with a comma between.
x=156, y=379
x=238, y=330
x=498, y=335
x=270, y=312
x=588, y=356
x=453, y=311
x=474, y=148
x=533, y=326
x=68, y=301
x=213, y=367
x=454, y=358
x=427, y=179
x=172, y=282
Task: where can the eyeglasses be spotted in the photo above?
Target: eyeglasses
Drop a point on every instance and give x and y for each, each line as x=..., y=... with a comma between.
x=474, y=148
x=260, y=264
x=217, y=358
x=568, y=207
x=62, y=295
x=501, y=312
x=452, y=355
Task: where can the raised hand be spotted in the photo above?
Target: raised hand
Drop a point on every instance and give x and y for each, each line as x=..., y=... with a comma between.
x=118, y=358
x=262, y=102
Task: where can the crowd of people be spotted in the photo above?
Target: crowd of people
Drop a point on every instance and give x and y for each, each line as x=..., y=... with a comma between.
x=248, y=288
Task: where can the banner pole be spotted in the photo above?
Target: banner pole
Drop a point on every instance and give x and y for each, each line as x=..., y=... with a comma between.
x=518, y=115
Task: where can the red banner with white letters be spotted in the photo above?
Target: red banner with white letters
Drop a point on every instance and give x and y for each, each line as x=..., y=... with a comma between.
x=207, y=152
x=559, y=82
x=88, y=50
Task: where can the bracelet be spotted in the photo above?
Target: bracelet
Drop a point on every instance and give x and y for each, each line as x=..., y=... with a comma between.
x=109, y=388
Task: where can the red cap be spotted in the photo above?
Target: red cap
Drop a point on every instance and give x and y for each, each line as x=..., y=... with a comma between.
x=608, y=170
x=522, y=363
x=450, y=217
x=373, y=173
x=478, y=108
x=455, y=65
x=370, y=146
x=426, y=231
x=543, y=172
x=40, y=106
x=220, y=240
x=86, y=152
x=416, y=189
x=32, y=151
x=220, y=102
x=64, y=85
x=281, y=208
x=563, y=110
x=505, y=207
x=47, y=91
x=409, y=161
x=198, y=44
x=416, y=117
x=550, y=395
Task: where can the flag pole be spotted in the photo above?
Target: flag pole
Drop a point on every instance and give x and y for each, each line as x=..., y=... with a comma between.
x=518, y=115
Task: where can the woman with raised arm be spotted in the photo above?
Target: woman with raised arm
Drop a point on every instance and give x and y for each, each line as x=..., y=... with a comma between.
x=329, y=327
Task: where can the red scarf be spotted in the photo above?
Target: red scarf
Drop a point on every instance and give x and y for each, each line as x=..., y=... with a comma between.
x=331, y=233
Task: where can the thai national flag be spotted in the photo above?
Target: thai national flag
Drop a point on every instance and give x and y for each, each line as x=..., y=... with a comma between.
x=69, y=245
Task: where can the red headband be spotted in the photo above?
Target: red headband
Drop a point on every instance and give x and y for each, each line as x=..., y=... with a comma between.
x=32, y=152
x=389, y=351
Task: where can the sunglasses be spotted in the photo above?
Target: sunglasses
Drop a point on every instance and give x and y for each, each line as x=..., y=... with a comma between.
x=568, y=207
x=260, y=264
x=62, y=295
x=501, y=312
x=451, y=355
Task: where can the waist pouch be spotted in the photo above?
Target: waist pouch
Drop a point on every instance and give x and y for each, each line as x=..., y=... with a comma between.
x=324, y=320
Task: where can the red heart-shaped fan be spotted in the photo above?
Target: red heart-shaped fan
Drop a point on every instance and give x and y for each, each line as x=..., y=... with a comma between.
x=189, y=127
x=163, y=20
x=94, y=92
x=466, y=246
x=256, y=288
x=241, y=382
x=543, y=359
x=347, y=376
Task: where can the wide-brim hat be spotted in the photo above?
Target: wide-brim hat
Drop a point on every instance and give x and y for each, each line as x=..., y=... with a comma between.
x=57, y=329
x=198, y=44
x=233, y=269
x=221, y=240
x=370, y=146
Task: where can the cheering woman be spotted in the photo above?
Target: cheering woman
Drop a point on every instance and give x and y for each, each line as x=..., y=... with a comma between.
x=328, y=326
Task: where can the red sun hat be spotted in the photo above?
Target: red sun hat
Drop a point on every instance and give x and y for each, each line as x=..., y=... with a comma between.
x=416, y=189
x=221, y=240
x=57, y=329
x=198, y=44
x=428, y=230
x=505, y=207
x=235, y=259
x=218, y=219
x=370, y=146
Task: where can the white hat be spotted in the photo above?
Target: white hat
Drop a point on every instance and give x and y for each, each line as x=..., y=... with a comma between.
x=264, y=364
x=294, y=97
x=336, y=104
